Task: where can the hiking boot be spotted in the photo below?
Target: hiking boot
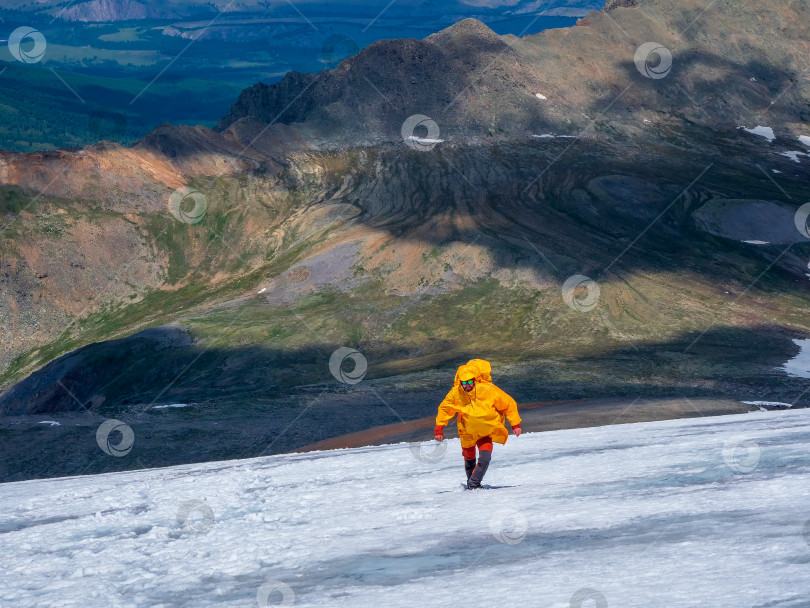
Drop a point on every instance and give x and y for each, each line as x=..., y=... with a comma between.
x=469, y=465
x=477, y=476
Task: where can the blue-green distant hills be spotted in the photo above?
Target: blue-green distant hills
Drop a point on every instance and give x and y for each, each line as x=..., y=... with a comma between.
x=114, y=70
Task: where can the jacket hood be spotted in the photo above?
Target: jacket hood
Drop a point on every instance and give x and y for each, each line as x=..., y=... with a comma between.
x=477, y=368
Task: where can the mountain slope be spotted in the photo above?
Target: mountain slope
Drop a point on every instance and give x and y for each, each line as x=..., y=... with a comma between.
x=474, y=84
x=603, y=515
x=313, y=238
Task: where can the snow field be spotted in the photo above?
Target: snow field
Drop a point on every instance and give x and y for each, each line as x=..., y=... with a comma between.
x=706, y=511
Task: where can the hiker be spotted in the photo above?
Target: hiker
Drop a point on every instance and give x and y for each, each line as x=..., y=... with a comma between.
x=481, y=407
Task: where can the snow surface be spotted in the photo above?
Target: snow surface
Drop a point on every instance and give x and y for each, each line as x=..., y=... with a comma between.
x=799, y=366
x=766, y=132
x=425, y=140
x=794, y=155
x=680, y=513
x=771, y=403
x=805, y=139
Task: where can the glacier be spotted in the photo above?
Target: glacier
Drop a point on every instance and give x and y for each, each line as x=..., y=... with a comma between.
x=692, y=512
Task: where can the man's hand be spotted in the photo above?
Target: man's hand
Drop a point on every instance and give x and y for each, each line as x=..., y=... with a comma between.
x=438, y=433
x=516, y=430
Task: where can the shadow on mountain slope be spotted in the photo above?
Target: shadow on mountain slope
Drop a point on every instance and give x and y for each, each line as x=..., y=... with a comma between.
x=166, y=365
x=251, y=401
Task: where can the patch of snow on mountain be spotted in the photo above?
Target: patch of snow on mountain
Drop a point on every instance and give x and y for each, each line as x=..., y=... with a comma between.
x=771, y=403
x=799, y=366
x=766, y=132
x=794, y=156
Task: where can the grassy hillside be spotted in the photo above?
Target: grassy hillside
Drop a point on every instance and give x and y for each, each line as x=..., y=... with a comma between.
x=39, y=112
x=341, y=264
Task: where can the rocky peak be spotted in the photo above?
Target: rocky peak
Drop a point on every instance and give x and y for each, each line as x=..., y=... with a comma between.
x=611, y=4
x=468, y=34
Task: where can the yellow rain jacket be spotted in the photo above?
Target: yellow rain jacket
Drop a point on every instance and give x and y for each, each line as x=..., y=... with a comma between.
x=482, y=410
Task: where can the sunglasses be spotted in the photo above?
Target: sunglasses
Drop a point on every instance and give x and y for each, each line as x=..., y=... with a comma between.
x=467, y=382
